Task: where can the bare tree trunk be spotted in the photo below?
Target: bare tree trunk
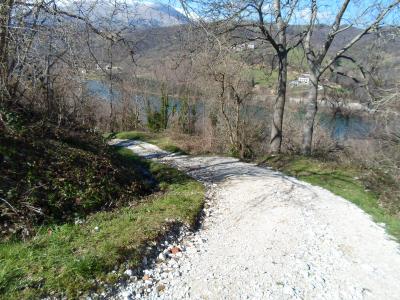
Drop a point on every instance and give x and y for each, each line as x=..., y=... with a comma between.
x=227, y=122
x=279, y=106
x=316, y=58
x=311, y=111
x=111, y=89
x=5, y=15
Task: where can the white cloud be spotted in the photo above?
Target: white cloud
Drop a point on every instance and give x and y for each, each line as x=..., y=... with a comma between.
x=190, y=14
x=303, y=16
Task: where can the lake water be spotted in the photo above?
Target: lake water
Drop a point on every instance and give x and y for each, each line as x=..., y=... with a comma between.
x=340, y=127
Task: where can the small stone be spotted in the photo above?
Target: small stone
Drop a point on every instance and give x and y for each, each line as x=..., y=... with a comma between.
x=160, y=288
x=161, y=257
x=148, y=272
x=287, y=290
x=126, y=295
x=128, y=272
x=175, y=250
x=173, y=263
x=146, y=277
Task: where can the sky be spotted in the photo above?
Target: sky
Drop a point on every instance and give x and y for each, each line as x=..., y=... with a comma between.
x=359, y=12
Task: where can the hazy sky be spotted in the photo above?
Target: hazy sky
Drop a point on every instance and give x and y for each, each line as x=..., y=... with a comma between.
x=359, y=12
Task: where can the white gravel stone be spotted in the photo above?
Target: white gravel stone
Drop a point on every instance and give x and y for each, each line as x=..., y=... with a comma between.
x=269, y=236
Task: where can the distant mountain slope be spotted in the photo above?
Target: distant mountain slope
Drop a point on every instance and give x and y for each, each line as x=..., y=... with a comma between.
x=142, y=14
x=174, y=37
x=157, y=15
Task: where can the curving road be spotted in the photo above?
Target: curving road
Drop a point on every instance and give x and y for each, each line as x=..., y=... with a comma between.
x=270, y=236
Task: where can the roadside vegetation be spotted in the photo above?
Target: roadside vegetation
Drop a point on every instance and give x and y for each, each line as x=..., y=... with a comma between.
x=52, y=180
x=77, y=210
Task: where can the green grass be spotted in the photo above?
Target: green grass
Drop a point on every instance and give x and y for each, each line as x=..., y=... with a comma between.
x=264, y=78
x=345, y=181
x=159, y=139
x=261, y=78
x=68, y=259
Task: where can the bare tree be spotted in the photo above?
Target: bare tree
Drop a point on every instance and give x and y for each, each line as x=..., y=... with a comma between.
x=42, y=50
x=229, y=92
x=6, y=9
x=263, y=21
x=234, y=92
x=319, y=61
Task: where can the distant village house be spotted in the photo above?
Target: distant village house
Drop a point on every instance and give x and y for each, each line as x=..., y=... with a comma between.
x=304, y=79
x=244, y=46
x=108, y=67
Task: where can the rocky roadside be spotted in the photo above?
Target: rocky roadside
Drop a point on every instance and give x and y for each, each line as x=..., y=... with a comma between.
x=163, y=264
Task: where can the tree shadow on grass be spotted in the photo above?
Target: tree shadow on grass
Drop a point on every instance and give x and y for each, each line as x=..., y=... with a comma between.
x=153, y=172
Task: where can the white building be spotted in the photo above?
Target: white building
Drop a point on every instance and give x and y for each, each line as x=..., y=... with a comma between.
x=108, y=68
x=244, y=46
x=304, y=79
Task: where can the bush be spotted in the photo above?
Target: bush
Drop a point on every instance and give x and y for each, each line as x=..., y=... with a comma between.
x=55, y=175
x=158, y=120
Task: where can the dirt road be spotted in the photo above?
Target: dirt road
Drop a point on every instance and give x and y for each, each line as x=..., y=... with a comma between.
x=270, y=236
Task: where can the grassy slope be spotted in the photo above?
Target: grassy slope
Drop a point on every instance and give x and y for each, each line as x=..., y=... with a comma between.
x=69, y=258
x=54, y=180
x=349, y=182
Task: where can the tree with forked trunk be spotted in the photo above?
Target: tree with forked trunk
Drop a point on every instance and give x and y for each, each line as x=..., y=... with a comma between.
x=5, y=16
x=264, y=21
x=40, y=52
x=318, y=60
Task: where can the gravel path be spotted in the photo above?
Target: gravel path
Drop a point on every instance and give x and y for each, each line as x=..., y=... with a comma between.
x=269, y=236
